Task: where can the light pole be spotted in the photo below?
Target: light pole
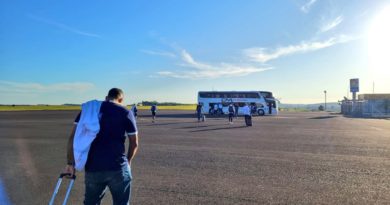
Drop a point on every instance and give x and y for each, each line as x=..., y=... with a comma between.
x=325, y=100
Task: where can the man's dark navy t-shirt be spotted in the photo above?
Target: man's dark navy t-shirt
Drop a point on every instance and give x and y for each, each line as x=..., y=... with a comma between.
x=107, y=152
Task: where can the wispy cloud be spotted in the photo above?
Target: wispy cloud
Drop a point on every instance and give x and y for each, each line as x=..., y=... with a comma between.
x=18, y=87
x=63, y=26
x=159, y=53
x=202, y=70
x=263, y=55
x=332, y=24
x=188, y=61
x=306, y=7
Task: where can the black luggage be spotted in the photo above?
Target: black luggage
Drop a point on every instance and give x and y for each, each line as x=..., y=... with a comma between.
x=248, y=120
x=58, y=187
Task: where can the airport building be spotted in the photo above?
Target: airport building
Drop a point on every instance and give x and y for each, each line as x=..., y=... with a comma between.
x=367, y=105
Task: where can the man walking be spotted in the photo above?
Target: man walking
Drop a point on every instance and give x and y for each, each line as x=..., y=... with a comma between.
x=135, y=111
x=153, y=109
x=107, y=164
x=199, y=112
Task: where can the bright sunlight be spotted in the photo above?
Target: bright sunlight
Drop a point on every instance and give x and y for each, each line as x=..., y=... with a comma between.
x=379, y=43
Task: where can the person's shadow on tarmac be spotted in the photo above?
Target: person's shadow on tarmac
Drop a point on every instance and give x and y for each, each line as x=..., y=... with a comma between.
x=220, y=128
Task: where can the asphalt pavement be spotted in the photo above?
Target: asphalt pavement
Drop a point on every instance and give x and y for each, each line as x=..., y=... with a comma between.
x=292, y=158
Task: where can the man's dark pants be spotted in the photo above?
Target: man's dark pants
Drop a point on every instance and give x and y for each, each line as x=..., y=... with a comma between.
x=119, y=183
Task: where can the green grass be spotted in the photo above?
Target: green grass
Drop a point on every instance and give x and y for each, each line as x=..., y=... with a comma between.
x=75, y=107
x=38, y=107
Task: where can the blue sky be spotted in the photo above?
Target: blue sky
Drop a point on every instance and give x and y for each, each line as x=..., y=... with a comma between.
x=55, y=52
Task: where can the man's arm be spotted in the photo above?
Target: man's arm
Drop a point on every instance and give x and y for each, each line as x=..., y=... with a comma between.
x=70, y=157
x=133, y=147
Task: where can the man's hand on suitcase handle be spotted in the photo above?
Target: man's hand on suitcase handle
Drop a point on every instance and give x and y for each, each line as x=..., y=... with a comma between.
x=69, y=170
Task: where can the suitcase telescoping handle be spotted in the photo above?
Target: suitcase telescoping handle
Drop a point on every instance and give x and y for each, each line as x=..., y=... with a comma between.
x=62, y=175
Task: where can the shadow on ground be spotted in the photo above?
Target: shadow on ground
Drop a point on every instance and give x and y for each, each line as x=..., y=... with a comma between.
x=220, y=128
x=322, y=117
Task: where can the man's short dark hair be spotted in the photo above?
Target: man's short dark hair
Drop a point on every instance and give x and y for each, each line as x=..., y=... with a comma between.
x=114, y=93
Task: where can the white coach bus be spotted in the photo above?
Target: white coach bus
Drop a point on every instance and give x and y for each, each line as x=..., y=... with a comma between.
x=272, y=102
x=217, y=102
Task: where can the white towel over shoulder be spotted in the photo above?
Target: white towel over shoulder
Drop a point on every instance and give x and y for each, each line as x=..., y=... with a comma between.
x=87, y=129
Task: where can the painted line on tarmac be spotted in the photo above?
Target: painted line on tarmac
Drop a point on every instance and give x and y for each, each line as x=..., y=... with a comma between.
x=4, y=200
x=376, y=128
x=285, y=117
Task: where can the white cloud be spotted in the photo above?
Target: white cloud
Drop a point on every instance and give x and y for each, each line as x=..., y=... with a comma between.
x=190, y=62
x=17, y=87
x=306, y=7
x=159, y=53
x=332, y=24
x=63, y=26
x=201, y=70
x=264, y=55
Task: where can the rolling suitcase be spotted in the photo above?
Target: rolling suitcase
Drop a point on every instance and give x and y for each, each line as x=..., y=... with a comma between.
x=58, y=187
x=248, y=120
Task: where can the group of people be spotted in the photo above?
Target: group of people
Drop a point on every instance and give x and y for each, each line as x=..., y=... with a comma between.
x=232, y=110
x=153, y=109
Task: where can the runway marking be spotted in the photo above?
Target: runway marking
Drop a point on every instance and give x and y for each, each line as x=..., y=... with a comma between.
x=4, y=200
x=285, y=117
x=26, y=161
x=376, y=128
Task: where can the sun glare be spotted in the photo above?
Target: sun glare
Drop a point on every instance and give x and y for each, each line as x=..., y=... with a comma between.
x=379, y=44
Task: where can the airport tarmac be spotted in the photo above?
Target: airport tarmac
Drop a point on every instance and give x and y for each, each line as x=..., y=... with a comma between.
x=293, y=158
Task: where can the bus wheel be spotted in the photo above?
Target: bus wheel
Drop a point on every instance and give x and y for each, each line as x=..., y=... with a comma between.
x=260, y=112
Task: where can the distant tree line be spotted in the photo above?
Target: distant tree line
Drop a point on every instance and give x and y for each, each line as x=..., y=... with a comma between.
x=71, y=104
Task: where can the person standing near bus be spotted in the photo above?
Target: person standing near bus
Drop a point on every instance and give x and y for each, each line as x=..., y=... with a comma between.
x=254, y=108
x=215, y=109
x=220, y=109
x=236, y=110
x=153, y=109
x=231, y=113
x=247, y=114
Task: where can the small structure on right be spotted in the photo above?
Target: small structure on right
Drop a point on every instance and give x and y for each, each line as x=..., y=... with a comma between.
x=367, y=105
